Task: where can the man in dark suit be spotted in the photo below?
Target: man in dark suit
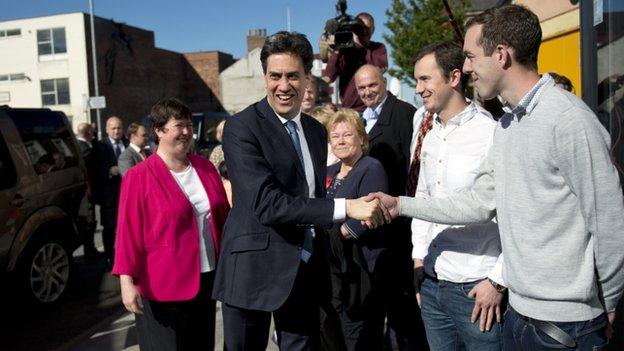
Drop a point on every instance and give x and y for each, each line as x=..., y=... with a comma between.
x=272, y=259
x=108, y=180
x=389, y=127
x=135, y=152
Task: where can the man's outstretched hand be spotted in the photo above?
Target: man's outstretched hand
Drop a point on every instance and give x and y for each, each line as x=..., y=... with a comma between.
x=391, y=203
x=369, y=210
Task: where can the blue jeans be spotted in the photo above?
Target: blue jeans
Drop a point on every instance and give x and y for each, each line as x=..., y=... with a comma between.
x=519, y=334
x=446, y=310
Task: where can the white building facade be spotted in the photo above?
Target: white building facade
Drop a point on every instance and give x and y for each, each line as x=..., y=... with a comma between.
x=43, y=63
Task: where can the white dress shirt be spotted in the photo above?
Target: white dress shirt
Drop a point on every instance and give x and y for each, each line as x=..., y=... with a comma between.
x=340, y=205
x=370, y=122
x=191, y=185
x=450, y=158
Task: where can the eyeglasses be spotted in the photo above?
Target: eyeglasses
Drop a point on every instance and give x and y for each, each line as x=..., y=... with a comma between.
x=179, y=126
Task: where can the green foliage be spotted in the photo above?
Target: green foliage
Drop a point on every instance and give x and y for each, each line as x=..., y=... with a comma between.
x=416, y=23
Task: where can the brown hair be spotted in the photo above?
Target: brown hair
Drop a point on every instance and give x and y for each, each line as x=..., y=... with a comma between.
x=349, y=116
x=512, y=25
x=166, y=109
x=133, y=128
x=449, y=57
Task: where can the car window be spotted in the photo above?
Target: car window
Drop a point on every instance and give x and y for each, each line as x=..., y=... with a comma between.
x=47, y=138
x=8, y=175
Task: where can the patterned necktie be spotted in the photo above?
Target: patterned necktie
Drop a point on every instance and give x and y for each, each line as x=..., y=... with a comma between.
x=308, y=246
x=412, y=178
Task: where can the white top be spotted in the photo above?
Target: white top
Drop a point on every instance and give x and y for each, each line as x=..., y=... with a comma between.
x=340, y=205
x=450, y=159
x=189, y=182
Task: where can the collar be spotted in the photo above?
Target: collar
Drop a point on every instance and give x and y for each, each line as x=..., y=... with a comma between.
x=296, y=119
x=85, y=140
x=372, y=114
x=380, y=106
x=113, y=141
x=135, y=148
x=464, y=116
x=529, y=100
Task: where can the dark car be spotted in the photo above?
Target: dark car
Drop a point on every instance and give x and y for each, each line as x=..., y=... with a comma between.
x=42, y=184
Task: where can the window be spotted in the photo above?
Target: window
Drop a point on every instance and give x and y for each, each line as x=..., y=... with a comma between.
x=602, y=31
x=10, y=32
x=47, y=138
x=51, y=41
x=55, y=91
x=12, y=77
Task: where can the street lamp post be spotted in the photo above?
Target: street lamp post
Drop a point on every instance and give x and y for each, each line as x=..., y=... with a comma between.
x=95, y=71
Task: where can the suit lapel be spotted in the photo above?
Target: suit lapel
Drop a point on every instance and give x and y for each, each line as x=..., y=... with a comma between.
x=384, y=118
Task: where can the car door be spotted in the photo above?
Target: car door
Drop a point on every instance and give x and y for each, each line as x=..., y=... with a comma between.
x=8, y=212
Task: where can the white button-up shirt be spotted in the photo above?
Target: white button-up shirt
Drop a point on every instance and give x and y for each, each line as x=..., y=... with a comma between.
x=450, y=158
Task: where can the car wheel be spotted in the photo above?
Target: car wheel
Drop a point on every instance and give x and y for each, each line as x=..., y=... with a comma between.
x=45, y=270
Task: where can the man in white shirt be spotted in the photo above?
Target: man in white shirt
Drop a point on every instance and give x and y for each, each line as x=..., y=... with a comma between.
x=462, y=264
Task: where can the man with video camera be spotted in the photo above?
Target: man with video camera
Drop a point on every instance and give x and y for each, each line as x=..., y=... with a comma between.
x=349, y=54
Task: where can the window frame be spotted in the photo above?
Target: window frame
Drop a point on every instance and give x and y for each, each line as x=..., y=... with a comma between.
x=51, y=41
x=54, y=92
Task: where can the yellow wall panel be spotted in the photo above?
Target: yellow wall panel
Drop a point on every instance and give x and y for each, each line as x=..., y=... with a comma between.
x=562, y=54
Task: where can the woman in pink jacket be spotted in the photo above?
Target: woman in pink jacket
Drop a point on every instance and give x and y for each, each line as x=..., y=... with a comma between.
x=172, y=209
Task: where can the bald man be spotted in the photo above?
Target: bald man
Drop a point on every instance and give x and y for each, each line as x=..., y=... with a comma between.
x=108, y=180
x=389, y=127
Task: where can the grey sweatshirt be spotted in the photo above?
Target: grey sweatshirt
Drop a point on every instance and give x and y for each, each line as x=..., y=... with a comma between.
x=550, y=182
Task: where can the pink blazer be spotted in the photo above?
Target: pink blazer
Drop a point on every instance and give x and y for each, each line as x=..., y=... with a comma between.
x=157, y=234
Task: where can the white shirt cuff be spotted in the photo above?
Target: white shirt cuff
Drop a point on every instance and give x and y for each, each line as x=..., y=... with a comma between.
x=340, y=210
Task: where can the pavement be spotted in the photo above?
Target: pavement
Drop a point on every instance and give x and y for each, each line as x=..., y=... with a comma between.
x=118, y=333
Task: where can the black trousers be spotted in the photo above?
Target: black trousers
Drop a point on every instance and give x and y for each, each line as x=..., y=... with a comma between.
x=180, y=326
x=296, y=322
x=403, y=313
x=108, y=217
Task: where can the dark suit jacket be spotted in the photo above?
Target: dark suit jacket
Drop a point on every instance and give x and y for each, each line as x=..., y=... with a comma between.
x=389, y=141
x=262, y=238
x=366, y=176
x=106, y=188
x=87, y=156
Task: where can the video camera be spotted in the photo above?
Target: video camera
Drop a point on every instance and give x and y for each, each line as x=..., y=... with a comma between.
x=342, y=27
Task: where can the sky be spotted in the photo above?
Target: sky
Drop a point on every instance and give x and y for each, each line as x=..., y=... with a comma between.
x=195, y=25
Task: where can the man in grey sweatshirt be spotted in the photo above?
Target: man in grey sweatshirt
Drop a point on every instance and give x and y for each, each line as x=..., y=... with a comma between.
x=549, y=180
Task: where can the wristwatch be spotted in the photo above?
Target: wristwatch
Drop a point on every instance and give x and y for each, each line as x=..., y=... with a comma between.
x=500, y=288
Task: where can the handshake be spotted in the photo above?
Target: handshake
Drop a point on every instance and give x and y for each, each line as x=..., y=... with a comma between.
x=374, y=209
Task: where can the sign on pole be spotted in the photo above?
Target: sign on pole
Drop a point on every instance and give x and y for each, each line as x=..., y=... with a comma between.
x=97, y=102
